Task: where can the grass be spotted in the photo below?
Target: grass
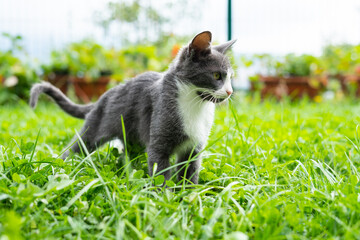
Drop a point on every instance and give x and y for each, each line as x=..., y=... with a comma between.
x=270, y=171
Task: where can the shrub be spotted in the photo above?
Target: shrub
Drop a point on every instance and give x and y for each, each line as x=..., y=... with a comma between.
x=16, y=77
x=288, y=65
x=89, y=59
x=341, y=59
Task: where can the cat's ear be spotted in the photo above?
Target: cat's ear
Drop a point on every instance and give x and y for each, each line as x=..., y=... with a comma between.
x=222, y=48
x=200, y=45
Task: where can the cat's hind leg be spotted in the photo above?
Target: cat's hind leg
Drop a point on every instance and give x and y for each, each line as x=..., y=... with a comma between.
x=92, y=136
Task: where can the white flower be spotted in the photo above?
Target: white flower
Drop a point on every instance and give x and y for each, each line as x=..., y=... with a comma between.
x=11, y=81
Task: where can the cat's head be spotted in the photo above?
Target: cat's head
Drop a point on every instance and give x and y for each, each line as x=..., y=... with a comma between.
x=205, y=68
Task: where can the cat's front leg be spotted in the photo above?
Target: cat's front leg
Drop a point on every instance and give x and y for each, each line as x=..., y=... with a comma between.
x=191, y=162
x=161, y=158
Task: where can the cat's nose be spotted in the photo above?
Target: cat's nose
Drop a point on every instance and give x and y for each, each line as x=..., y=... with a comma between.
x=229, y=92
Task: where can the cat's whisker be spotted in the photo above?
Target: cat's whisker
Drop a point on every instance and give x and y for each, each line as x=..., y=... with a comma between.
x=199, y=97
x=200, y=100
x=202, y=91
x=204, y=94
x=197, y=100
x=196, y=97
x=191, y=91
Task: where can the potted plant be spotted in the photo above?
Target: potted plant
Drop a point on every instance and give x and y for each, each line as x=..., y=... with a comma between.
x=90, y=67
x=291, y=75
x=342, y=62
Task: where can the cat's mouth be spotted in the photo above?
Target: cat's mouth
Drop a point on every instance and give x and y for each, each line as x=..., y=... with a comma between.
x=208, y=97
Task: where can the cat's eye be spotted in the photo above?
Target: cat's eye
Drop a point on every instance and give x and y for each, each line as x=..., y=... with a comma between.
x=217, y=76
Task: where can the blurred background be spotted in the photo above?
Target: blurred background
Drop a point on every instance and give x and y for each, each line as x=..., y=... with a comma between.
x=85, y=40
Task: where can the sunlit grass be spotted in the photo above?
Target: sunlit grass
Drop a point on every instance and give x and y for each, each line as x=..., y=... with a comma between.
x=270, y=171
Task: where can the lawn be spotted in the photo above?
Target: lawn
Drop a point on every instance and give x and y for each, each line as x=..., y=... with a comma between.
x=270, y=171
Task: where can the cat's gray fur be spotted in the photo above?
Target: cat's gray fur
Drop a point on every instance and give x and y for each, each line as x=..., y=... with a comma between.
x=151, y=109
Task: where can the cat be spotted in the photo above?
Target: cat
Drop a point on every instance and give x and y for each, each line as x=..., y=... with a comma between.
x=167, y=113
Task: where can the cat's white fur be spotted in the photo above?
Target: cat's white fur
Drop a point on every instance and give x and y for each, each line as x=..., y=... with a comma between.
x=197, y=115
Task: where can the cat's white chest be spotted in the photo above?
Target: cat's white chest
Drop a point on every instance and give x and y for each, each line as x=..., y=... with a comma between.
x=197, y=115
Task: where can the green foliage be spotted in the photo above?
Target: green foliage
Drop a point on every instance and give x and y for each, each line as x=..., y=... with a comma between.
x=16, y=76
x=89, y=59
x=270, y=171
x=126, y=12
x=137, y=59
x=342, y=59
x=59, y=63
x=86, y=59
x=272, y=65
x=288, y=65
x=335, y=59
x=303, y=65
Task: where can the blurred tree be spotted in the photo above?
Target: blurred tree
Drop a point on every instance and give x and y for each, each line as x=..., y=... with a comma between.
x=143, y=21
x=15, y=41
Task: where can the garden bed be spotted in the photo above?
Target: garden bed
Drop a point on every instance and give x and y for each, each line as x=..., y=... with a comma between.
x=296, y=87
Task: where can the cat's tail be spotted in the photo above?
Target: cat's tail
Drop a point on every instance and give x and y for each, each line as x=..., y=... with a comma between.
x=75, y=110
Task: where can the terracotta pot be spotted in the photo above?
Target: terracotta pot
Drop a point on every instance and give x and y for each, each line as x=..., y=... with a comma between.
x=87, y=90
x=295, y=87
x=59, y=80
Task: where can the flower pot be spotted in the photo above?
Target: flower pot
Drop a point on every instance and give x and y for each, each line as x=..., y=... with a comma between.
x=87, y=90
x=293, y=86
x=59, y=80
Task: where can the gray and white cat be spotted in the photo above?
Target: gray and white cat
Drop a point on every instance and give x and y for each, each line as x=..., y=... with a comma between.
x=167, y=113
